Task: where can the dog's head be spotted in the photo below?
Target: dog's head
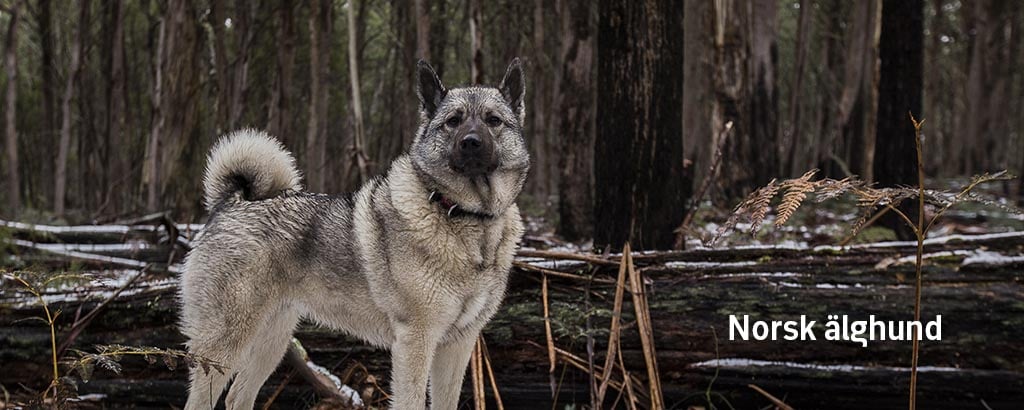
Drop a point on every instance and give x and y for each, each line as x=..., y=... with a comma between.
x=470, y=140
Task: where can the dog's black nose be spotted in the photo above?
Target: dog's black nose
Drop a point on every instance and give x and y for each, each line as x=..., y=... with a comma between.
x=471, y=143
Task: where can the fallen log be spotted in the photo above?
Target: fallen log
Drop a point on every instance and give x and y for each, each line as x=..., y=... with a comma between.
x=691, y=296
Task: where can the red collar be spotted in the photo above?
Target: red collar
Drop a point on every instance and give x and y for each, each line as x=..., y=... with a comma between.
x=452, y=209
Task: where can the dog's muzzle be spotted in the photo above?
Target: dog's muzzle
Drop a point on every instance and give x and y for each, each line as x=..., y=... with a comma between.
x=474, y=155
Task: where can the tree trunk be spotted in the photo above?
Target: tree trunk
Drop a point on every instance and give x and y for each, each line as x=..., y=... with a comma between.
x=359, y=138
x=796, y=139
x=422, y=29
x=697, y=88
x=152, y=165
x=10, y=111
x=246, y=33
x=576, y=108
x=319, y=64
x=438, y=39
x=745, y=90
x=476, y=43
x=47, y=77
x=280, y=118
x=900, y=89
x=116, y=152
x=220, y=65
x=639, y=124
x=538, y=183
x=74, y=69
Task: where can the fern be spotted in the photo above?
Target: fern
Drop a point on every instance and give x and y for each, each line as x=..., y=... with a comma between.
x=796, y=192
x=871, y=200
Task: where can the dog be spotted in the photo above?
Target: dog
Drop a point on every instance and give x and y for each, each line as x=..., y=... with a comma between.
x=416, y=261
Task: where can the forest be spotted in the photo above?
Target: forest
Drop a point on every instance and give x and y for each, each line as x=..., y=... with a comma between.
x=657, y=126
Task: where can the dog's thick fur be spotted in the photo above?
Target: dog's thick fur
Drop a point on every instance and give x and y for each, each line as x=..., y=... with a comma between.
x=388, y=264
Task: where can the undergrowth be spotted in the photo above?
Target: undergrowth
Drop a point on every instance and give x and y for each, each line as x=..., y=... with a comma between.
x=873, y=202
x=63, y=387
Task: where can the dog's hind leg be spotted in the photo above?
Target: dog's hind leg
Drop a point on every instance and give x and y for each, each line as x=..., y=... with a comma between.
x=259, y=359
x=206, y=387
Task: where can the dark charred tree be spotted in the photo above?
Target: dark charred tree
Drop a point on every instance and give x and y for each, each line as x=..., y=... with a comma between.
x=900, y=90
x=745, y=94
x=639, y=124
x=576, y=108
x=114, y=194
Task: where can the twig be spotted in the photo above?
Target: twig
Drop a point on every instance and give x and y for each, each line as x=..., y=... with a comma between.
x=920, y=254
x=279, y=389
x=643, y=320
x=778, y=403
x=547, y=333
x=476, y=368
x=527, y=267
x=81, y=323
x=712, y=175
x=490, y=374
x=614, y=332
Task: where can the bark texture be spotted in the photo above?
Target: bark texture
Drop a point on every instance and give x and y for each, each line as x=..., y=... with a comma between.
x=639, y=124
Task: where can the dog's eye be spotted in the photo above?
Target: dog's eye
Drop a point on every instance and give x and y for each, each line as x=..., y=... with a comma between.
x=493, y=121
x=453, y=122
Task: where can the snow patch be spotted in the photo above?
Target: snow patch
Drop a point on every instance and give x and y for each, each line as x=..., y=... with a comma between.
x=737, y=362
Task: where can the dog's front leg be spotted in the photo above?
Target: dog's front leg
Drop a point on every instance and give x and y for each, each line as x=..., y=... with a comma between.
x=447, y=372
x=411, y=357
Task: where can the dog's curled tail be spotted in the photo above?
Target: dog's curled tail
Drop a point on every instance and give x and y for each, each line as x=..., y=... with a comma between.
x=250, y=162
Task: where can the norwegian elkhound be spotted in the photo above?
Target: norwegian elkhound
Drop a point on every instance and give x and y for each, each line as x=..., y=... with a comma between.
x=416, y=261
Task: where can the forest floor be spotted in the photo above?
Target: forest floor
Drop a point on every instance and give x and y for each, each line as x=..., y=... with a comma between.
x=120, y=283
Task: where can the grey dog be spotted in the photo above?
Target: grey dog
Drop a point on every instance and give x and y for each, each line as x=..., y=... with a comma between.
x=416, y=261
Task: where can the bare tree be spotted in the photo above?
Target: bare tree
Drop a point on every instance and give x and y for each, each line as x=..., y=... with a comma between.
x=576, y=108
x=239, y=82
x=359, y=139
x=47, y=86
x=853, y=136
x=220, y=66
x=152, y=159
x=422, y=29
x=698, y=86
x=280, y=118
x=476, y=42
x=74, y=70
x=10, y=107
x=115, y=92
x=745, y=93
x=539, y=182
x=795, y=136
x=319, y=64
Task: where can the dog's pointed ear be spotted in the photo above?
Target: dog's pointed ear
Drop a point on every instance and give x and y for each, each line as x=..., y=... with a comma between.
x=513, y=87
x=428, y=88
